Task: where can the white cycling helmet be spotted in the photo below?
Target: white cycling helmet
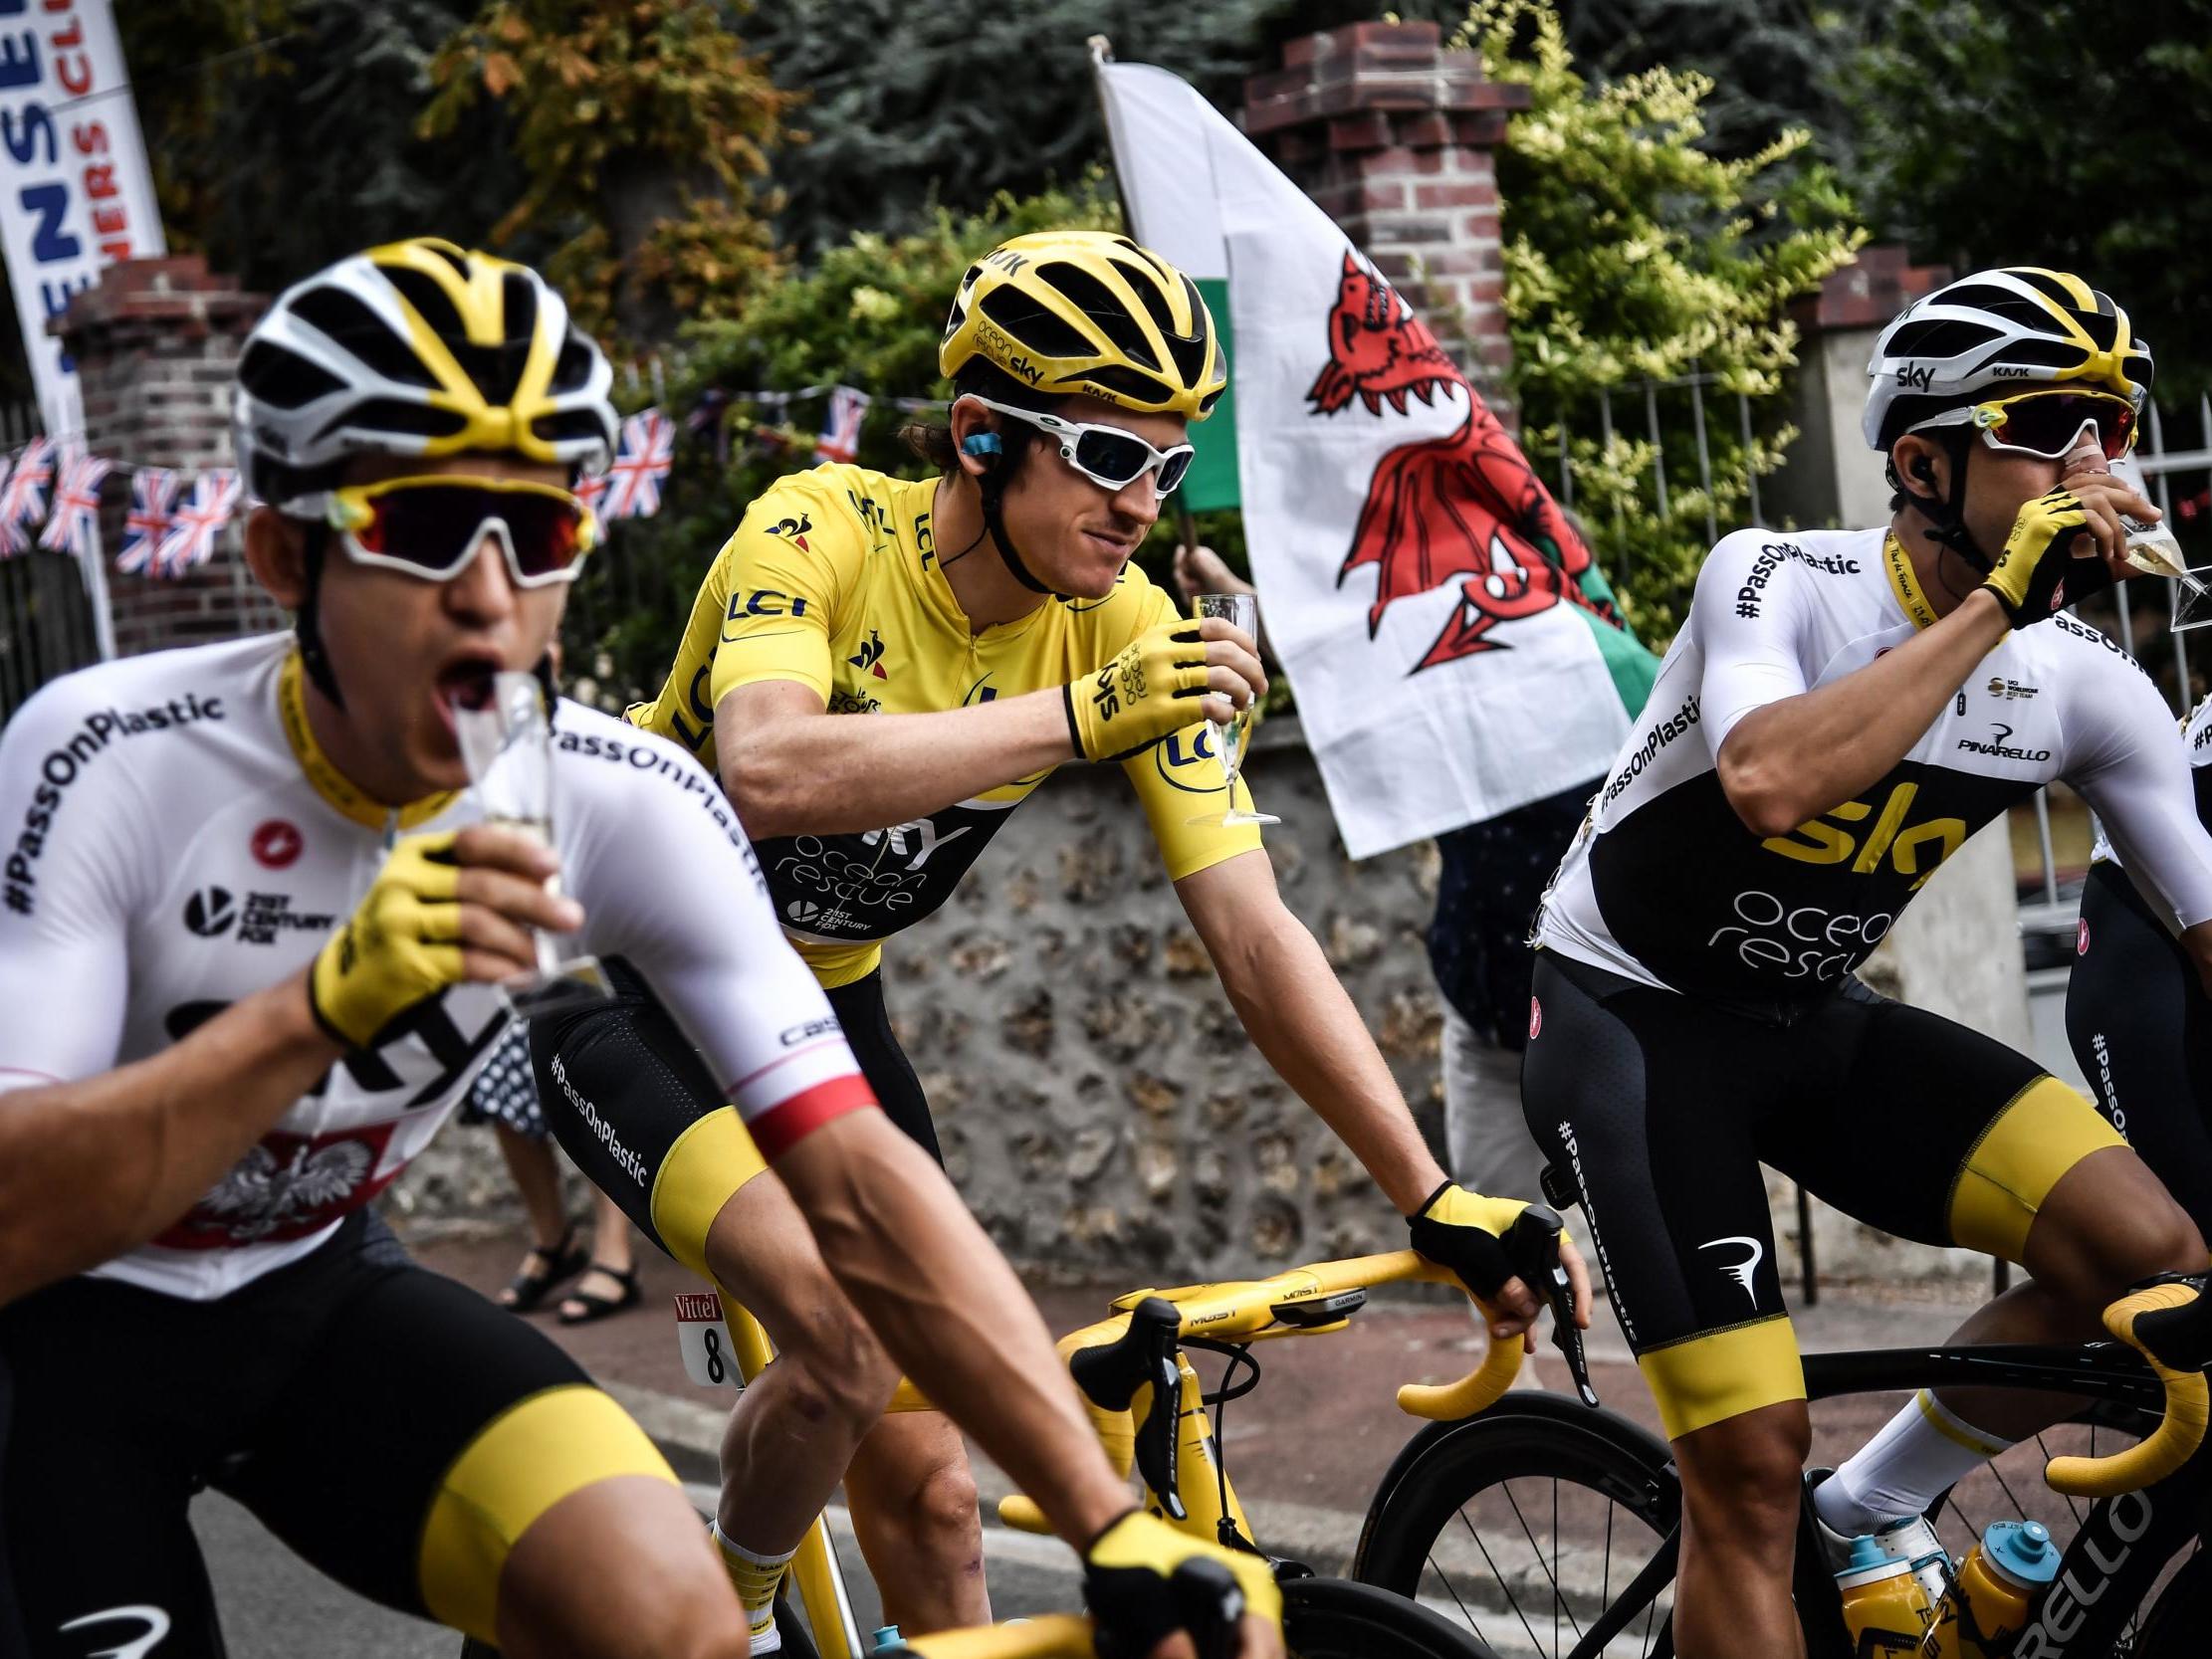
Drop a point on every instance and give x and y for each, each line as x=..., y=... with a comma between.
x=417, y=347
x=1997, y=332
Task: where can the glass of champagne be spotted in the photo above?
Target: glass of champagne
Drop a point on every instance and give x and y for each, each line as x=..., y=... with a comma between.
x=1240, y=611
x=507, y=745
x=2155, y=548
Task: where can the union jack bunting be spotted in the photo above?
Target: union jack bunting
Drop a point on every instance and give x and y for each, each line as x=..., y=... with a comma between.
x=193, y=526
x=841, y=436
x=23, y=497
x=591, y=489
x=75, y=524
x=153, y=505
x=634, y=482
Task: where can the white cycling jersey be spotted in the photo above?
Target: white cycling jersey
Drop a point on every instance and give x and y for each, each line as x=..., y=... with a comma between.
x=2196, y=738
x=1665, y=886
x=171, y=840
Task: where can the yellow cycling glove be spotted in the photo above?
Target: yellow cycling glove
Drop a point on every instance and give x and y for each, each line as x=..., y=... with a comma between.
x=2037, y=575
x=1464, y=1231
x=402, y=944
x=1147, y=692
x=1143, y=1579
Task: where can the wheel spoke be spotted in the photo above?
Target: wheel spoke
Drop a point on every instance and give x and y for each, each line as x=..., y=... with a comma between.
x=1511, y=1601
x=1549, y=1573
x=1465, y=1611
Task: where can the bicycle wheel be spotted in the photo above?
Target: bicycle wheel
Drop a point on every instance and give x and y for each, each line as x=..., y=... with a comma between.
x=1334, y=1619
x=1526, y=1523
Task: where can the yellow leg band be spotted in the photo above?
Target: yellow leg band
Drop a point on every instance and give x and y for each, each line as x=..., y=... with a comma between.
x=533, y=1455
x=2045, y=1131
x=702, y=1172
x=1709, y=1378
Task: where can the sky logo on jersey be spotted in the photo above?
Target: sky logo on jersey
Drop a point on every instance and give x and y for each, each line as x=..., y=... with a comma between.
x=1906, y=846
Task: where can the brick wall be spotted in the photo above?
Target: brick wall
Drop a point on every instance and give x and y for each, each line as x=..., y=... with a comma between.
x=1392, y=136
x=156, y=344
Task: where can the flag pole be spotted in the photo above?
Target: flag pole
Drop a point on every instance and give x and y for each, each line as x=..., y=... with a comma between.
x=1102, y=53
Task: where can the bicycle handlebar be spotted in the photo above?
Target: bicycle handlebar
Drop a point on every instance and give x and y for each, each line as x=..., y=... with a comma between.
x=2170, y=1317
x=1047, y=1636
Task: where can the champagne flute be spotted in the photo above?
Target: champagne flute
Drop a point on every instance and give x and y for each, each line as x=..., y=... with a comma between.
x=507, y=747
x=1240, y=611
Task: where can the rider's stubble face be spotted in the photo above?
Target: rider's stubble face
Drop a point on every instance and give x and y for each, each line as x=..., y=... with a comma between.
x=1074, y=535
x=398, y=645
x=1998, y=484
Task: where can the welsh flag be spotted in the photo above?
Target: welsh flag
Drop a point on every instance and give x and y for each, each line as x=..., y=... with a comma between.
x=1457, y=652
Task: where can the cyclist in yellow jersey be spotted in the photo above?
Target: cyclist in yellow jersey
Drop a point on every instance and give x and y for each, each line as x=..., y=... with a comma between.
x=989, y=624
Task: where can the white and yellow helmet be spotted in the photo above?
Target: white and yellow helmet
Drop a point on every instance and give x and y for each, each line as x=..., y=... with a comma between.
x=1995, y=334
x=419, y=348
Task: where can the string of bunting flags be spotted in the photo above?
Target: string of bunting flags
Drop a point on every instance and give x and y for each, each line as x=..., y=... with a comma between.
x=50, y=494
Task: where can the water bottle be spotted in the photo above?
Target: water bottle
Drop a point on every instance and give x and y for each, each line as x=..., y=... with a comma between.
x=886, y=1636
x=1885, y=1605
x=1986, y=1606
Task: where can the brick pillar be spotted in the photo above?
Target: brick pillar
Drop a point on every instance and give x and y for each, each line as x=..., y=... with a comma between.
x=156, y=344
x=1392, y=136
x=1829, y=476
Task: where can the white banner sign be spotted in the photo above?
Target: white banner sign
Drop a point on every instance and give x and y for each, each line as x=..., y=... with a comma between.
x=76, y=194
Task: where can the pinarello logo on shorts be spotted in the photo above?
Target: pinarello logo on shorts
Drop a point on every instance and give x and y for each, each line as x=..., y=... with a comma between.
x=2082, y=937
x=1535, y=1018
x=277, y=845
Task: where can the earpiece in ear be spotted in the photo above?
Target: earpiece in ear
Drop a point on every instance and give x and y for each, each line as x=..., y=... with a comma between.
x=984, y=446
x=1921, y=470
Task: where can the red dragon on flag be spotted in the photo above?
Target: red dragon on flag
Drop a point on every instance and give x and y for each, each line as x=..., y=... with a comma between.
x=1463, y=505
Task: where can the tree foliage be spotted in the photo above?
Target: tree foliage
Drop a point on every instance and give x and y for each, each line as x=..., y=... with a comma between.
x=1634, y=256
x=2051, y=134
x=282, y=132
x=640, y=127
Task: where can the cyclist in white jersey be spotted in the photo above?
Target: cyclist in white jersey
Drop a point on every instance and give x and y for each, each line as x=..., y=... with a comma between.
x=1839, y=712
x=247, y=924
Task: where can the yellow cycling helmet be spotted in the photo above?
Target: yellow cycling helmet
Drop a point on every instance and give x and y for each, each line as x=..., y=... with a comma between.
x=1068, y=313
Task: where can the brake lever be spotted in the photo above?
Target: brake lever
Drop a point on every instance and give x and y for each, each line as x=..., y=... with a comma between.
x=1111, y=1376
x=1532, y=1246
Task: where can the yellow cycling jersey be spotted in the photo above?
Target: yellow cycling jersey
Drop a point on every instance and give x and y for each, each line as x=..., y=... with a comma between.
x=832, y=581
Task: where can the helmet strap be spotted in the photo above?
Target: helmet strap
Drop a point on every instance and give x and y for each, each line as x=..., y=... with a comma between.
x=1946, y=515
x=992, y=486
x=314, y=551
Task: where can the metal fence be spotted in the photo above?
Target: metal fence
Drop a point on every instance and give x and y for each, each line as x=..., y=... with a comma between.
x=1693, y=403
x=46, y=620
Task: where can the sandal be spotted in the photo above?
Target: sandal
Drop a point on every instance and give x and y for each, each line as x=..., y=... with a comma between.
x=545, y=1267
x=600, y=1307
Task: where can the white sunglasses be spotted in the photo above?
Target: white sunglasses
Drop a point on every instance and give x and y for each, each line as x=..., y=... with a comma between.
x=1109, y=455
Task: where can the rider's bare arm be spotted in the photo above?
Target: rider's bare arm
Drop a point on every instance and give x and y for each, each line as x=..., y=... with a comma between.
x=1795, y=759
x=1300, y=1018
x=794, y=770
x=93, y=1168
x=950, y=1312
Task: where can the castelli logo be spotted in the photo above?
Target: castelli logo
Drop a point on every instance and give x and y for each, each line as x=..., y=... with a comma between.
x=1535, y=1018
x=277, y=845
x=2082, y=937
